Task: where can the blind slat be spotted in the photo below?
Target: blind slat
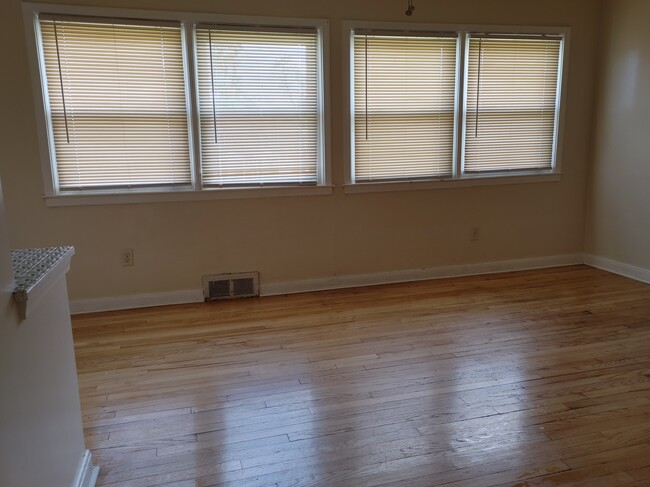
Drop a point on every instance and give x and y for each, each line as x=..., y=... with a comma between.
x=121, y=94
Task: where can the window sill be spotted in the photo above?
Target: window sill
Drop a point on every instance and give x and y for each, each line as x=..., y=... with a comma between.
x=85, y=198
x=465, y=182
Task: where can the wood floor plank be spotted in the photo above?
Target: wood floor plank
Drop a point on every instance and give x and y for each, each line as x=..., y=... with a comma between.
x=520, y=379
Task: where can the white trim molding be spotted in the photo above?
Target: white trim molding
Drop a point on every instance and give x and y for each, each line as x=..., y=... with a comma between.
x=114, y=303
x=620, y=268
x=448, y=183
x=130, y=197
x=87, y=473
x=333, y=282
x=411, y=275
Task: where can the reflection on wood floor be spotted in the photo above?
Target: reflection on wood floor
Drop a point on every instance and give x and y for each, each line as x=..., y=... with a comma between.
x=528, y=378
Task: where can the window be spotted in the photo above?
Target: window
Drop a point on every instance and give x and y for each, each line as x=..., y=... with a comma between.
x=258, y=100
x=511, y=103
x=116, y=100
x=178, y=104
x=404, y=106
x=426, y=105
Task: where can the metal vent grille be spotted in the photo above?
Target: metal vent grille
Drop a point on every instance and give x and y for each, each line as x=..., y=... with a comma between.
x=230, y=286
x=219, y=289
x=243, y=287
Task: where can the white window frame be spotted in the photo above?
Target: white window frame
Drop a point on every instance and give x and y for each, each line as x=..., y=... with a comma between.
x=458, y=179
x=54, y=197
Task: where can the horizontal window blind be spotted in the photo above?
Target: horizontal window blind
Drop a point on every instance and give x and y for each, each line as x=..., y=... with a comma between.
x=512, y=88
x=259, y=106
x=117, y=102
x=404, y=106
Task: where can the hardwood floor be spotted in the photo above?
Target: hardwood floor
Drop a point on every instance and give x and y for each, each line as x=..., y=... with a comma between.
x=538, y=378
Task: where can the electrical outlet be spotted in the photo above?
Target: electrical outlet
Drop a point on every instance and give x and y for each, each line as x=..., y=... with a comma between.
x=474, y=235
x=127, y=257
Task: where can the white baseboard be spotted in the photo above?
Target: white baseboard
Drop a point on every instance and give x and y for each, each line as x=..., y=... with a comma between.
x=391, y=277
x=322, y=284
x=620, y=268
x=94, y=305
x=86, y=473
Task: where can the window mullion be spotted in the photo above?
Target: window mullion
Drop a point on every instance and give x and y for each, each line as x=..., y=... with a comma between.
x=463, y=101
x=189, y=54
x=558, y=107
x=350, y=176
x=321, y=170
x=52, y=179
x=459, y=114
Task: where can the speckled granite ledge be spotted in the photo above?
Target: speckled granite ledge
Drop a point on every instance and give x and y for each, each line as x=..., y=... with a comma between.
x=32, y=266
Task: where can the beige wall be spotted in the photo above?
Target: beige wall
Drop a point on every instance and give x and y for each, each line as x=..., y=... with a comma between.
x=306, y=237
x=618, y=221
x=42, y=439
